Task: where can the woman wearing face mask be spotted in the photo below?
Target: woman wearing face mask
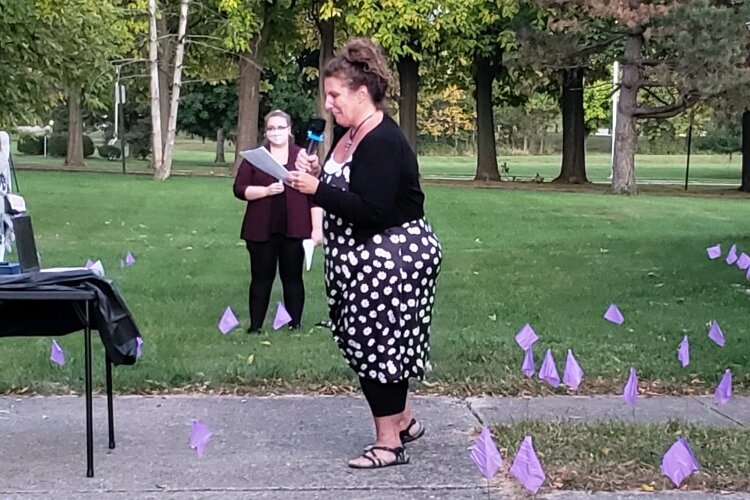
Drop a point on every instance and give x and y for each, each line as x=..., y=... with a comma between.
x=276, y=221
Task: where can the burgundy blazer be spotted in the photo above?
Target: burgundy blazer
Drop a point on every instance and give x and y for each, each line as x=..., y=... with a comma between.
x=257, y=221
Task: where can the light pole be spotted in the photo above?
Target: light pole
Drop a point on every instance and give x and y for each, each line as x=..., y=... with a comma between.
x=119, y=119
x=51, y=124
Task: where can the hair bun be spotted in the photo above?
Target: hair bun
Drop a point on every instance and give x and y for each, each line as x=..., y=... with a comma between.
x=362, y=62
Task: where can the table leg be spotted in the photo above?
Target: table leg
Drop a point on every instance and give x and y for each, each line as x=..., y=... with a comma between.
x=89, y=404
x=110, y=405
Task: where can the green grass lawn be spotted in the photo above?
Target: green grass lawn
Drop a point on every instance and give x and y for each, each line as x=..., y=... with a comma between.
x=620, y=456
x=196, y=156
x=555, y=260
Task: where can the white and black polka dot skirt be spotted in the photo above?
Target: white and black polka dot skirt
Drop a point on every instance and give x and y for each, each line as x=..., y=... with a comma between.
x=381, y=294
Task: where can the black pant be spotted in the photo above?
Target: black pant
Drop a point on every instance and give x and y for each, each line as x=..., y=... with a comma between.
x=264, y=256
x=385, y=399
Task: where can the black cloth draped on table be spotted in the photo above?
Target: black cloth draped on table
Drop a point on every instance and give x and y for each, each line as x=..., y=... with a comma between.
x=37, y=316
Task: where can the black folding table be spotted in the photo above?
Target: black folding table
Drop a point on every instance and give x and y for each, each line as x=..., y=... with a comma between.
x=53, y=307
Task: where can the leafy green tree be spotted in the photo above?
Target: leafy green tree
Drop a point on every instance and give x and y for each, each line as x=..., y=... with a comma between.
x=209, y=112
x=28, y=46
x=684, y=49
x=81, y=65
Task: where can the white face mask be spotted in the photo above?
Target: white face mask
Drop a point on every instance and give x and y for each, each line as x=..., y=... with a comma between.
x=278, y=137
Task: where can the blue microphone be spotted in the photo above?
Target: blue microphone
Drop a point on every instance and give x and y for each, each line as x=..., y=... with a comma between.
x=315, y=134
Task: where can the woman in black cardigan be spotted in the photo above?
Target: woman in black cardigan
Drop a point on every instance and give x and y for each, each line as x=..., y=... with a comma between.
x=381, y=257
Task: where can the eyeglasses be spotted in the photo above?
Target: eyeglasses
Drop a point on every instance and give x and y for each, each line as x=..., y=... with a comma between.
x=273, y=129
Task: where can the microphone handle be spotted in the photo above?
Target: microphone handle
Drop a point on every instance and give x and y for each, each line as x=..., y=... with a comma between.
x=311, y=147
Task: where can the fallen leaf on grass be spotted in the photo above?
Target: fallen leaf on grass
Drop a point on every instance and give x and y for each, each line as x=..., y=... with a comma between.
x=647, y=487
x=265, y=343
x=493, y=317
x=250, y=359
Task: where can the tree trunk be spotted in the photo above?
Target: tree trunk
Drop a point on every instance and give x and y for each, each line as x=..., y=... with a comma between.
x=745, y=152
x=573, y=169
x=484, y=75
x=165, y=46
x=408, y=77
x=156, y=136
x=249, y=92
x=174, y=104
x=249, y=101
x=626, y=136
x=74, y=156
x=219, y=146
x=326, y=30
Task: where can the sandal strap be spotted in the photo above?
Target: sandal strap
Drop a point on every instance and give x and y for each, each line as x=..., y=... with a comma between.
x=397, y=452
x=411, y=424
x=375, y=460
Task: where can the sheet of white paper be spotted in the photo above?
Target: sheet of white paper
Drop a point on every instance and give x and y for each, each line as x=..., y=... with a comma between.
x=309, y=247
x=95, y=271
x=262, y=159
x=16, y=202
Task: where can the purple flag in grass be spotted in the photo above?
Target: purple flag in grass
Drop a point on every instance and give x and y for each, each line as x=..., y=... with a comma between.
x=573, y=372
x=724, y=390
x=683, y=353
x=679, y=462
x=715, y=334
x=282, y=317
x=526, y=467
x=743, y=261
x=199, y=437
x=56, y=354
x=138, y=347
x=129, y=259
x=228, y=321
x=614, y=315
x=630, y=392
x=528, y=367
x=526, y=336
x=548, y=370
x=714, y=252
x=485, y=454
x=732, y=255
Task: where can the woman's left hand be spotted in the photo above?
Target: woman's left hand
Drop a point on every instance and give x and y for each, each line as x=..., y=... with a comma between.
x=304, y=182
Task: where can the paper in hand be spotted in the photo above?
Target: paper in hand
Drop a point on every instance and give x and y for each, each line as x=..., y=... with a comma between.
x=262, y=159
x=308, y=245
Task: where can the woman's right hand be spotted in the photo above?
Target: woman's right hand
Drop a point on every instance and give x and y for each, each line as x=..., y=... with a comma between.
x=307, y=163
x=275, y=188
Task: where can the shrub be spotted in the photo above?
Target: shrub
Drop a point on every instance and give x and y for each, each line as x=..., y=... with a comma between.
x=108, y=152
x=88, y=146
x=30, y=145
x=57, y=145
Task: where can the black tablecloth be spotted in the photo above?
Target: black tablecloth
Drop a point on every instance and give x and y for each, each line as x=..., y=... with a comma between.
x=42, y=304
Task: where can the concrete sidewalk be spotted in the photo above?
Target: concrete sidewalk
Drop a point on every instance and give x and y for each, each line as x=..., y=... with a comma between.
x=287, y=447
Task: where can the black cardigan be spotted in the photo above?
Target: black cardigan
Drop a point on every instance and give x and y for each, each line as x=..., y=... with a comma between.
x=384, y=186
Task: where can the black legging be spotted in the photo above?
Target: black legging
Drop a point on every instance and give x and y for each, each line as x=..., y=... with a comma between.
x=264, y=256
x=385, y=399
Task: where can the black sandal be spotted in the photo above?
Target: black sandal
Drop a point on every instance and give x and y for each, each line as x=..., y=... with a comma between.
x=407, y=437
x=376, y=462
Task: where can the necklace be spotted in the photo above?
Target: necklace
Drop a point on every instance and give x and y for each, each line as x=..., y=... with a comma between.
x=352, y=133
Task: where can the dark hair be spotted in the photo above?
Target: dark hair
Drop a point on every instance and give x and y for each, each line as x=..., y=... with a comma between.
x=361, y=62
